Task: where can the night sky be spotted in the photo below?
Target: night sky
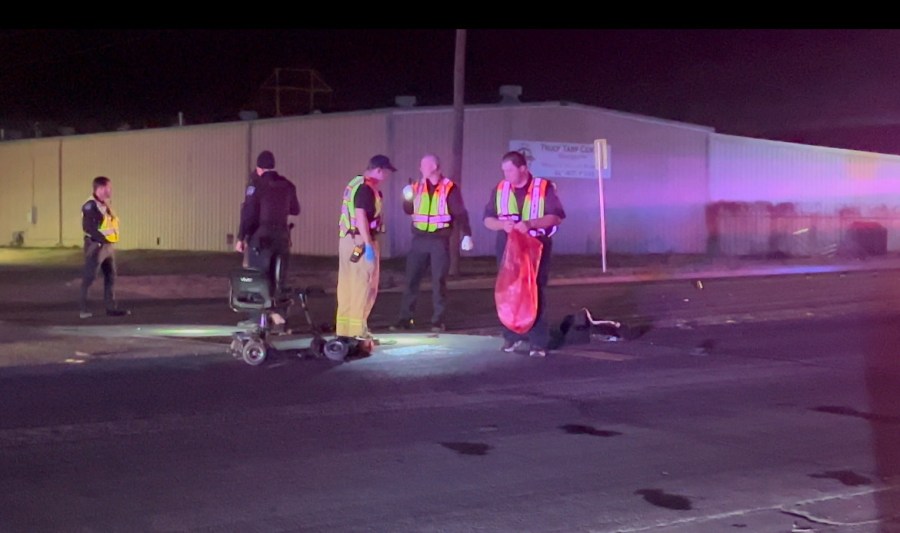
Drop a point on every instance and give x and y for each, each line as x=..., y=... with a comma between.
x=746, y=82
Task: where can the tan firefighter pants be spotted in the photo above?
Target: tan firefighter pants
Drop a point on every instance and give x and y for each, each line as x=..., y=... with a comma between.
x=357, y=288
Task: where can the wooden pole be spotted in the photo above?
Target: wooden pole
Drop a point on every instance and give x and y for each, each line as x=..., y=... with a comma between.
x=459, y=83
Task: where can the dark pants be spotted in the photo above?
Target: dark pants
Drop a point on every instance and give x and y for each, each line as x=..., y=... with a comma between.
x=539, y=334
x=265, y=254
x=424, y=249
x=99, y=257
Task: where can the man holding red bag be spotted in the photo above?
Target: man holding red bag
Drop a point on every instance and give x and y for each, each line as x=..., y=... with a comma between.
x=528, y=205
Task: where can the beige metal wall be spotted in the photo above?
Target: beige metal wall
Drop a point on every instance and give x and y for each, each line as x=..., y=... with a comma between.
x=798, y=199
x=655, y=198
x=173, y=189
x=745, y=169
x=658, y=188
x=29, y=173
x=181, y=187
x=320, y=154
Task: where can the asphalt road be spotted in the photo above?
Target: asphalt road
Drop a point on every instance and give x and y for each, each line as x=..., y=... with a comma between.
x=752, y=404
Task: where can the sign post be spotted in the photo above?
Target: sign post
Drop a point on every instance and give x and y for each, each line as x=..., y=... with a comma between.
x=601, y=163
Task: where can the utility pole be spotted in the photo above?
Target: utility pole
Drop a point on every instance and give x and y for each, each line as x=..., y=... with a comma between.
x=459, y=85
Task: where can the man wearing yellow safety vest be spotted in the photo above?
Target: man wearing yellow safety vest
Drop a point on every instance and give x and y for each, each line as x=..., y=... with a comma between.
x=528, y=204
x=436, y=205
x=101, y=232
x=358, y=268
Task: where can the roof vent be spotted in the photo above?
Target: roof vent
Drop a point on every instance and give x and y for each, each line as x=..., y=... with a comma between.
x=509, y=94
x=405, y=101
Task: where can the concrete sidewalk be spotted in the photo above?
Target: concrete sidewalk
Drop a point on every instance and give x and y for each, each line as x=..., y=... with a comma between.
x=565, y=271
x=735, y=269
x=55, y=274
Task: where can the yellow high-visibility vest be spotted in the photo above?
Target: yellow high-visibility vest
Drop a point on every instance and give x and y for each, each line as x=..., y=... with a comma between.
x=430, y=211
x=532, y=208
x=109, y=227
x=347, y=222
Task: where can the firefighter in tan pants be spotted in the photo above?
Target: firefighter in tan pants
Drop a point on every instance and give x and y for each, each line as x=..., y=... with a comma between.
x=358, y=270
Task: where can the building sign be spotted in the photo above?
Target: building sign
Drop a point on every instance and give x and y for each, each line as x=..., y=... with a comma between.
x=560, y=160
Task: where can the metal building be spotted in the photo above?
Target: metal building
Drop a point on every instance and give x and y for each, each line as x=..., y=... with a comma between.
x=180, y=188
x=795, y=199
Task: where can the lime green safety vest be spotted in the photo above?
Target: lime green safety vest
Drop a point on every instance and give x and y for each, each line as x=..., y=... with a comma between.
x=348, y=210
x=110, y=225
x=430, y=211
x=508, y=209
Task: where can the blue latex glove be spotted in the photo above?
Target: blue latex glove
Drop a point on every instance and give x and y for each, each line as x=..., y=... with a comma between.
x=370, y=254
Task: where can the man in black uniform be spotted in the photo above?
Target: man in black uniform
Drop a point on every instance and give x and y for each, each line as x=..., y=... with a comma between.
x=101, y=231
x=264, y=232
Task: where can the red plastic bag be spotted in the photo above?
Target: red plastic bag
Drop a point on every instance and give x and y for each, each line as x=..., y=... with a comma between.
x=515, y=292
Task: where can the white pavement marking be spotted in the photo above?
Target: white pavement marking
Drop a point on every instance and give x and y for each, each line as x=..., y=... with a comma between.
x=792, y=510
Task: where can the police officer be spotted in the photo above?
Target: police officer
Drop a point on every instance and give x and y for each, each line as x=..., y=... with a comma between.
x=101, y=232
x=264, y=233
x=436, y=204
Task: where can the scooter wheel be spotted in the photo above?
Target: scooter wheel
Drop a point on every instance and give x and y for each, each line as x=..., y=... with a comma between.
x=254, y=352
x=336, y=350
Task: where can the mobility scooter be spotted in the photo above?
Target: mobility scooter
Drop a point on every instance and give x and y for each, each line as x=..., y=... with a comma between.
x=252, y=291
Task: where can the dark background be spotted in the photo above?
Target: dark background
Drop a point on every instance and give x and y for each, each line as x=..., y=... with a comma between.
x=822, y=86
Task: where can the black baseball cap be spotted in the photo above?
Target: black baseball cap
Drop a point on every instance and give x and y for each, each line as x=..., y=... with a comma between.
x=381, y=161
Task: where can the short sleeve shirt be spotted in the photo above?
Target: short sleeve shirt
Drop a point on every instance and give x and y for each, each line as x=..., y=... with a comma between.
x=365, y=199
